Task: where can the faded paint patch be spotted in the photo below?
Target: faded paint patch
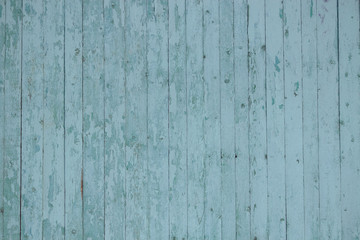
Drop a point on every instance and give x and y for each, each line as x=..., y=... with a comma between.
x=277, y=61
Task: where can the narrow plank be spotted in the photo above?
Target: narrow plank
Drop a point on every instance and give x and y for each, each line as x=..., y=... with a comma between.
x=93, y=119
x=257, y=118
x=53, y=152
x=212, y=165
x=32, y=120
x=12, y=124
x=310, y=120
x=275, y=122
x=2, y=109
x=328, y=104
x=293, y=120
x=195, y=118
x=227, y=119
x=349, y=60
x=177, y=121
x=136, y=120
x=241, y=120
x=157, y=119
x=114, y=120
x=73, y=120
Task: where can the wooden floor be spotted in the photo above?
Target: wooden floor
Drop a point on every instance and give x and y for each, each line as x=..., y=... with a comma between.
x=165, y=119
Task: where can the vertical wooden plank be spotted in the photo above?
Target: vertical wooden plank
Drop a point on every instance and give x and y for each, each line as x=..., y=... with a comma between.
x=212, y=164
x=136, y=120
x=93, y=119
x=241, y=120
x=53, y=168
x=114, y=120
x=328, y=103
x=293, y=120
x=310, y=120
x=12, y=122
x=195, y=118
x=275, y=122
x=2, y=109
x=177, y=121
x=32, y=120
x=349, y=60
x=73, y=120
x=227, y=120
x=257, y=118
x=157, y=62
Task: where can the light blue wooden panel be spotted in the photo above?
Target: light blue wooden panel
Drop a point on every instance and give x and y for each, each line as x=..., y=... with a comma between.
x=158, y=118
x=177, y=121
x=73, y=120
x=114, y=14
x=276, y=119
x=212, y=164
x=310, y=120
x=93, y=120
x=32, y=133
x=227, y=119
x=2, y=110
x=257, y=119
x=293, y=119
x=241, y=98
x=349, y=73
x=163, y=119
x=12, y=121
x=328, y=120
x=195, y=119
x=53, y=152
x=136, y=127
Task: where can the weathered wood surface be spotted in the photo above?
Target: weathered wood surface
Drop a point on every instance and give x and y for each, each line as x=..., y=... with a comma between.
x=164, y=119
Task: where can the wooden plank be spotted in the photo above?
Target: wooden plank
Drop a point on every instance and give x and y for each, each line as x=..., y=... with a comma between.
x=310, y=120
x=32, y=120
x=73, y=120
x=212, y=164
x=275, y=122
x=293, y=120
x=114, y=119
x=328, y=104
x=157, y=119
x=349, y=59
x=2, y=109
x=93, y=120
x=12, y=123
x=177, y=121
x=53, y=152
x=257, y=118
x=195, y=119
x=136, y=120
x=227, y=119
x=241, y=120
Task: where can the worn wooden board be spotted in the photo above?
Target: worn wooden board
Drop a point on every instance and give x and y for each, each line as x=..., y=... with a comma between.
x=257, y=119
x=177, y=121
x=212, y=89
x=310, y=120
x=73, y=121
x=114, y=35
x=293, y=119
x=349, y=97
x=12, y=120
x=163, y=119
x=32, y=133
x=276, y=120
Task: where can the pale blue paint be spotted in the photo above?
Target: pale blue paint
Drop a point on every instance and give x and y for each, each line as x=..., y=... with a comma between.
x=163, y=119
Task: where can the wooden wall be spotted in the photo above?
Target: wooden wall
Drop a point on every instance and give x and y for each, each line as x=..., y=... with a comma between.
x=174, y=119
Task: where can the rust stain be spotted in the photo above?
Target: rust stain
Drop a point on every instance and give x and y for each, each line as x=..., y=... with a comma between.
x=82, y=183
